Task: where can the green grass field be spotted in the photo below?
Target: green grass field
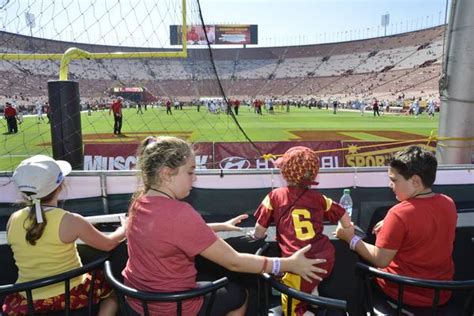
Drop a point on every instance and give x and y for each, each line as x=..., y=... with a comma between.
x=302, y=123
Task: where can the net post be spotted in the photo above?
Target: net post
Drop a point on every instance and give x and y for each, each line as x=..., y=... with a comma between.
x=65, y=120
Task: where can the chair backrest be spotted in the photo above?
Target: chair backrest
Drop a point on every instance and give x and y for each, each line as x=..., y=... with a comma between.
x=144, y=297
x=65, y=277
x=367, y=273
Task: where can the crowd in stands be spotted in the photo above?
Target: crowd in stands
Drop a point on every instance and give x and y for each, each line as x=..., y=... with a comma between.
x=358, y=70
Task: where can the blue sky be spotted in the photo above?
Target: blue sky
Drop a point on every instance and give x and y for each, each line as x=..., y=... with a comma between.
x=284, y=22
x=281, y=22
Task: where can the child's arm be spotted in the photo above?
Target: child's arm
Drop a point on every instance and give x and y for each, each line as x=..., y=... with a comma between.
x=345, y=220
x=259, y=232
x=379, y=257
x=228, y=225
x=74, y=226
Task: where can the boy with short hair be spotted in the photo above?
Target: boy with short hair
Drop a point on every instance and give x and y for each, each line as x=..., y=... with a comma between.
x=416, y=237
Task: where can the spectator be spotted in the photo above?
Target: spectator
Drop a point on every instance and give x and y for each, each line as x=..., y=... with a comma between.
x=236, y=106
x=295, y=206
x=168, y=107
x=165, y=234
x=416, y=237
x=362, y=107
x=258, y=106
x=375, y=107
x=47, y=109
x=43, y=239
x=11, y=117
x=39, y=111
x=139, y=108
x=431, y=108
x=116, y=108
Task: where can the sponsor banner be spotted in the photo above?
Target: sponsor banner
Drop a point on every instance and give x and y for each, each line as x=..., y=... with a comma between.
x=376, y=154
x=123, y=156
x=110, y=156
x=128, y=89
x=244, y=156
x=233, y=34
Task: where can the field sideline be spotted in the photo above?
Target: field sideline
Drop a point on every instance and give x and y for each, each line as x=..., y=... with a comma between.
x=298, y=124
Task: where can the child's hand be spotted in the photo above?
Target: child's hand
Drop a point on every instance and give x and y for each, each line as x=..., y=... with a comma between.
x=124, y=221
x=305, y=267
x=251, y=235
x=230, y=224
x=345, y=234
x=377, y=227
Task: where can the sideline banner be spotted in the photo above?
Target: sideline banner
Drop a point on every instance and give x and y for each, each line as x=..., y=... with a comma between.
x=244, y=156
x=123, y=156
x=376, y=154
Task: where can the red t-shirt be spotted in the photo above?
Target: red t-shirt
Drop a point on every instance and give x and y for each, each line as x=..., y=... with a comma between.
x=10, y=111
x=116, y=107
x=299, y=223
x=423, y=231
x=164, y=236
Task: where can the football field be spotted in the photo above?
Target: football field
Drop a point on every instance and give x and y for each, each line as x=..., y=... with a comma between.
x=34, y=136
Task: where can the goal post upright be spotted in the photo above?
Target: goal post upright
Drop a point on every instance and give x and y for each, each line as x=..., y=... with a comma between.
x=64, y=98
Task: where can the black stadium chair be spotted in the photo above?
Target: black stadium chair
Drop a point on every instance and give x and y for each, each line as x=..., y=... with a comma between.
x=123, y=291
x=65, y=277
x=461, y=302
x=325, y=305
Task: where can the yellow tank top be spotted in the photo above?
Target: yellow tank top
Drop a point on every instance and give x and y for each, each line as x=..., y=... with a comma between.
x=48, y=257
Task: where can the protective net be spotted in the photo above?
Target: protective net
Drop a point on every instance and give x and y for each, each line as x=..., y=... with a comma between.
x=195, y=92
x=187, y=86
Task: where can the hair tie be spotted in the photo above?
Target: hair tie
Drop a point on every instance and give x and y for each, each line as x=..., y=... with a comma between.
x=39, y=214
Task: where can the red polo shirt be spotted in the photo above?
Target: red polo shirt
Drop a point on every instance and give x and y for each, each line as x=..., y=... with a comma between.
x=10, y=111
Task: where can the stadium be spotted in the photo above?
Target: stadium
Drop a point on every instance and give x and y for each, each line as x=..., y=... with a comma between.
x=355, y=103
x=395, y=70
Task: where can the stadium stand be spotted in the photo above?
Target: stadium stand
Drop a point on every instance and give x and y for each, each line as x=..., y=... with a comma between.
x=381, y=67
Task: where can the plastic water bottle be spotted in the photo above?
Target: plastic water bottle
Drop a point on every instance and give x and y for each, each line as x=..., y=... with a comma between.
x=346, y=201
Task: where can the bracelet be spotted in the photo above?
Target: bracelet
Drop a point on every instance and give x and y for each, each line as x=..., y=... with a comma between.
x=354, y=242
x=276, y=266
x=265, y=263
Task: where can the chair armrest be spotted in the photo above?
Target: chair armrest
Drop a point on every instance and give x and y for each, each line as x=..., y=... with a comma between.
x=425, y=283
x=262, y=249
x=30, y=285
x=160, y=296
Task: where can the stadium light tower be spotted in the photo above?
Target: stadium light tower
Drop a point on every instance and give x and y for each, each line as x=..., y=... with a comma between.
x=385, y=22
x=30, y=21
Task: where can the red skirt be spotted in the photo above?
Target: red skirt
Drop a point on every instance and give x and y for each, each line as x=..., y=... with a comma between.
x=16, y=304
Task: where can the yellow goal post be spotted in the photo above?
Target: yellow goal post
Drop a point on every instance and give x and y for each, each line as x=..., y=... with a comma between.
x=74, y=53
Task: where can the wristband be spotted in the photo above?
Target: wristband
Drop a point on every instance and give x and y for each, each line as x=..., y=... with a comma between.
x=276, y=266
x=265, y=263
x=354, y=242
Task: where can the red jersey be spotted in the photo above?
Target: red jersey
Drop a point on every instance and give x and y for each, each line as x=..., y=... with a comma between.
x=164, y=236
x=116, y=107
x=423, y=231
x=298, y=214
x=10, y=111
